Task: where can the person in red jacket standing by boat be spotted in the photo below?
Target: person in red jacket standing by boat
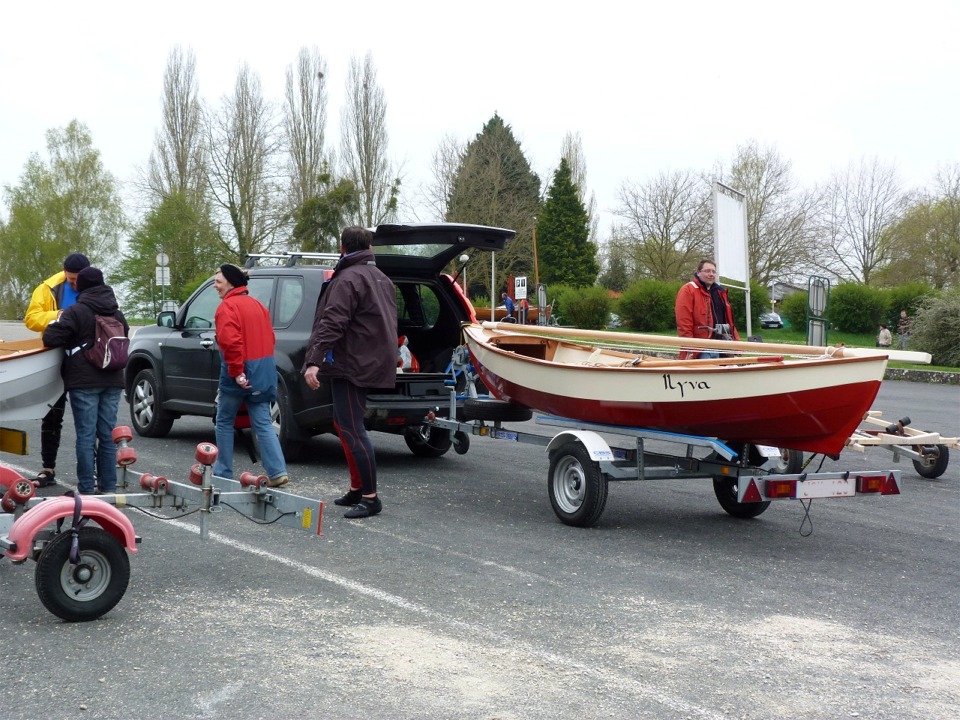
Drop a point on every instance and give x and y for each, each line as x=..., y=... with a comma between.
x=702, y=310
x=248, y=373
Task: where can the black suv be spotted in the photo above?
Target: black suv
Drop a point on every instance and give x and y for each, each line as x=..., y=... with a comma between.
x=174, y=366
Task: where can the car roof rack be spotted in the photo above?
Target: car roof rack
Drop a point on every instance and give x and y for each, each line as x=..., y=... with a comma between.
x=290, y=259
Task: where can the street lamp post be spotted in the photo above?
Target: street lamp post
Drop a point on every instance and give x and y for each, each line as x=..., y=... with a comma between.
x=463, y=261
x=536, y=268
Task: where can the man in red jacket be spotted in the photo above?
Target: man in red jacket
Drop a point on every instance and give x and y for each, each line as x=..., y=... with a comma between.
x=354, y=346
x=248, y=373
x=702, y=309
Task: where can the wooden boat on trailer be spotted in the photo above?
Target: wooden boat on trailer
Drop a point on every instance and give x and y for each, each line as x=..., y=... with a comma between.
x=812, y=400
x=29, y=379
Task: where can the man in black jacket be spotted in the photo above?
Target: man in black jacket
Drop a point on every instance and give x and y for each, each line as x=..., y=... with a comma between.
x=354, y=346
x=94, y=392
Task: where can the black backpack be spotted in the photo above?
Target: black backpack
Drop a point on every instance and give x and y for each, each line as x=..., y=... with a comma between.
x=110, y=346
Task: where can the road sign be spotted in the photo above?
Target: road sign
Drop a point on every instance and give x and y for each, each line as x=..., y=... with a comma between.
x=163, y=276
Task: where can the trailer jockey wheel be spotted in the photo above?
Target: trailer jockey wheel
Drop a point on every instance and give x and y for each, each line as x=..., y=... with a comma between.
x=461, y=442
x=91, y=587
x=196, y=474
x=206, y=453
x=122, y=434
x=126, y=456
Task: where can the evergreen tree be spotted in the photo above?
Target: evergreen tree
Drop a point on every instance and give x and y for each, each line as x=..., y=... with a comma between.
x=563, y=235
x=494, y=185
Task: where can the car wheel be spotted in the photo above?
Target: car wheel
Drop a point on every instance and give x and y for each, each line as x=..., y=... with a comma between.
x=146, y=414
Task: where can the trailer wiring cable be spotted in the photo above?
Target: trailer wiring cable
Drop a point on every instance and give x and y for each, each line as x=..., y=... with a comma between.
x=183, y=514
x=254, y=520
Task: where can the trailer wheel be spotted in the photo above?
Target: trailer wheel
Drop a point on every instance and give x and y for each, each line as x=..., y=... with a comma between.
x=941, y=457
x=725, y=488
x=428, y=442
x=461, y=442
x=91, y=588
x=789, y=463
x=577, y=488
x=493, y=410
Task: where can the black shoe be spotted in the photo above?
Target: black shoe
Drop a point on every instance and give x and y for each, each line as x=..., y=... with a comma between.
x=365, y=508
x=351, y=498
x=46, y=478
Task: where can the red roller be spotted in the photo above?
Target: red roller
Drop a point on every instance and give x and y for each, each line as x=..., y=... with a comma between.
x=206, y=453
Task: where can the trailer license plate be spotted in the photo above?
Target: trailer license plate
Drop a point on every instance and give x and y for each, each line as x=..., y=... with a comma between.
x=826, y=488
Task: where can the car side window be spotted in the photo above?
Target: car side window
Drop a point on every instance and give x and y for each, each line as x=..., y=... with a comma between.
x=417, y=305
x=200, y=311
x=289, y=300
x=261, y=288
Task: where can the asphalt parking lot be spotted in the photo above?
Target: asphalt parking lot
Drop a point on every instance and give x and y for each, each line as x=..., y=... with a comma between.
x=466, y=598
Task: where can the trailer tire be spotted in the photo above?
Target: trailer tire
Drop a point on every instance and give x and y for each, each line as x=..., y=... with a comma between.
x=725, y=488
x=494, y=410
x=789, y=463
x=577, y=488
x=942, y=457
x=86, y=591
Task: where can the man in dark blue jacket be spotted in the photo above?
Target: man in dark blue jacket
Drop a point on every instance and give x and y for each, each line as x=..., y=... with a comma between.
x=94, y=392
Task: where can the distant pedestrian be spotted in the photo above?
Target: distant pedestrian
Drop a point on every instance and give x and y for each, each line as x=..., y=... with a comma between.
x=94, y=392
x=524, y=311
x=508, y=304
x=884, y=339
x=903, y=330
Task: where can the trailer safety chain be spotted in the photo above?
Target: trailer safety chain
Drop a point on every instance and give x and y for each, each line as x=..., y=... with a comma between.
x=807, y=520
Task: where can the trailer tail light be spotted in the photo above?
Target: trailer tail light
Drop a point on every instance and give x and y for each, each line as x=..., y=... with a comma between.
x=871, y=483
x=780, y=489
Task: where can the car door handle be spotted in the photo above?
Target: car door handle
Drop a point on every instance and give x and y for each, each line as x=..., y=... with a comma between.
x=206, y=342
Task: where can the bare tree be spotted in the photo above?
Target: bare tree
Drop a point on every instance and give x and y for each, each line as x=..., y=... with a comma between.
x=305, y=121
x=446, y=161
x=177, y=162
x=780, y=228
x=364, y=144
x=860, y=206
x=667, y=225
x=244, y=150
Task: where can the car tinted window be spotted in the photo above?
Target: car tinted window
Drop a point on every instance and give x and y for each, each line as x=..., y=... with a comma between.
x=202, y=308
x=289, y=300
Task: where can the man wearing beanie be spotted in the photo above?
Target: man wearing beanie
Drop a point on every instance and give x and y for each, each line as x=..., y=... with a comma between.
x=248, y=373
x=94, y=392
x=49, y=299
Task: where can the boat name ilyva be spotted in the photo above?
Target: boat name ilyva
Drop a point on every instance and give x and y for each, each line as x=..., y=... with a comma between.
x=684, y=385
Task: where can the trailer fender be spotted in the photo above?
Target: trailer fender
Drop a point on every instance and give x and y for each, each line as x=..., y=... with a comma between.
x=595, y=445
x=49, y=511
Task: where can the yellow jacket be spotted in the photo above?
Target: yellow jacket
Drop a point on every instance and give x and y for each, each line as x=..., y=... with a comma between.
x=45, y=302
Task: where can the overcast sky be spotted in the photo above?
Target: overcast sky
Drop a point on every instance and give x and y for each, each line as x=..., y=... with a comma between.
x=649, y=86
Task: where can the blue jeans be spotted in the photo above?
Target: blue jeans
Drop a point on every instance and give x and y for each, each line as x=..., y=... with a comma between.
x=94, y=417
x=270, y=453
x=708, y=354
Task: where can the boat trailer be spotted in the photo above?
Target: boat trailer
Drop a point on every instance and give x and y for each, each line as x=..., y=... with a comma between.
x=80, y=543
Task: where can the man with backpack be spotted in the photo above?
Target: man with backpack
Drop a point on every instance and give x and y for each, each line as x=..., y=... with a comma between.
x=50, y=298
x=93, y=383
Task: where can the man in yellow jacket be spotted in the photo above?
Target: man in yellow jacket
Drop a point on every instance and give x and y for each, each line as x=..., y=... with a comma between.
x=49, y=299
